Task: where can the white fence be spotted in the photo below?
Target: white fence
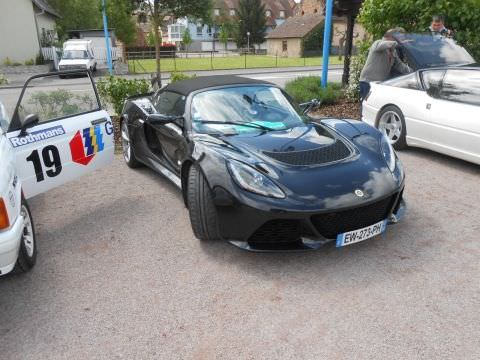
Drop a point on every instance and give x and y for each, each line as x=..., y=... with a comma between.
x=99, y=53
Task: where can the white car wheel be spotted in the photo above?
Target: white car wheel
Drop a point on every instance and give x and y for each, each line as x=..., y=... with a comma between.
x=392, y=123
x=27, y=255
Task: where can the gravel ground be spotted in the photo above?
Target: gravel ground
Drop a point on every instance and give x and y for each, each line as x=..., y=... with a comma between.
x=120, y=275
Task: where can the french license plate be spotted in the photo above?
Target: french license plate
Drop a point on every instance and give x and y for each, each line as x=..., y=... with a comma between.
x=356, y=236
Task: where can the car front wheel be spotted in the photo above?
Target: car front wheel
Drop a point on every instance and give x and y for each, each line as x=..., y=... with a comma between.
x=27, y=256
x=127, y=151
x=203, y=214
x=391, y=122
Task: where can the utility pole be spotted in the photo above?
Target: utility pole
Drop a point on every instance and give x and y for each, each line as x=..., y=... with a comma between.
x=326, y=41
x=107, y=38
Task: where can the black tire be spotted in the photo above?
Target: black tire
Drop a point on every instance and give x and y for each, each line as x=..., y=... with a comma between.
x=27, y=255
x=62, y=76
x=128, y=155
x=400, y=142
x=203, y=214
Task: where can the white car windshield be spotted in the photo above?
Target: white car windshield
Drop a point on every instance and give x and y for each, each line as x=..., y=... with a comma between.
x=240, y=109
x=75, y=54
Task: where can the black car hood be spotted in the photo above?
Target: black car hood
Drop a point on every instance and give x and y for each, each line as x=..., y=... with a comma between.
x=314, y=164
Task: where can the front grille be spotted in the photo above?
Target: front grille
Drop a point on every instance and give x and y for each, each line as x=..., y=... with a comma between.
x=332, y=224
x=277, y=231
x=326, y=154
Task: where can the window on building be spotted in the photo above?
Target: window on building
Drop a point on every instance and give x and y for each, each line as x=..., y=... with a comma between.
x=282, y=14
x=216, y=12
x=232, y=12
x=268, y=13
x=199, y=30
x=284, y=45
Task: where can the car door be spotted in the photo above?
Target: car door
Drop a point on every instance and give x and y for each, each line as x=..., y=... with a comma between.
x=418, y=114
x=455, y=121
x=169, y=137
x=59, y=133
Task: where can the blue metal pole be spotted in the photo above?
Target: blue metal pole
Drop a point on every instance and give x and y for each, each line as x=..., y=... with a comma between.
x=326, y=41
x=107, y=40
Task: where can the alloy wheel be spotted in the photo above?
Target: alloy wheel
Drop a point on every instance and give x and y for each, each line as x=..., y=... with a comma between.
x=391, y=125
x=126, y=142
x=27, y=236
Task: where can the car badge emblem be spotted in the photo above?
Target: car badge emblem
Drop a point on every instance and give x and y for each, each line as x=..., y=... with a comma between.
x=359, y=193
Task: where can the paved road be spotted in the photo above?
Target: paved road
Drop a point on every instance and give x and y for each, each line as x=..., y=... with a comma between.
x=9, y=96
x=120, y=275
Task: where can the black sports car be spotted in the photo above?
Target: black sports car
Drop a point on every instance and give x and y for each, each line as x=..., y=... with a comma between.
x=258, y=172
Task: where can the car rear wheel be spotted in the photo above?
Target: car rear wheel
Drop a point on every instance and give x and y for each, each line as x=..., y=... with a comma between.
x=127, y=151
x=203, y=214
x=391, y=122
x=27, y=256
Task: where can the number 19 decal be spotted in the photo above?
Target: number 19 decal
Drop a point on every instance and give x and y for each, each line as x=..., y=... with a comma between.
x=51, y=161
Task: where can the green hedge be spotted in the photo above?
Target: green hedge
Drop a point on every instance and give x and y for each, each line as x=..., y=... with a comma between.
x=304, y=89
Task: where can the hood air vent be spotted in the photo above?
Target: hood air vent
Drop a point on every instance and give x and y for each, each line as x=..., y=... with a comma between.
x=323, y=155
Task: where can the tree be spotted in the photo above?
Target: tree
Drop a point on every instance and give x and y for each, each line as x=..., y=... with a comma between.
x=186, y=39
x=87, y=14
x=120, y=18
x=224, y=36
x=158, y=9
x=251, y=18
x=77, y=14
x=462, y=16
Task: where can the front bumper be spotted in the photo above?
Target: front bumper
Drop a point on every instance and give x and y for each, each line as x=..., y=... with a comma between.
x=259, y=230
x=9, y=246
x=369, y=114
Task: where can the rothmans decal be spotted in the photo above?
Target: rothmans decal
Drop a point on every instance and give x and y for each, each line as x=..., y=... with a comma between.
x=36, y=136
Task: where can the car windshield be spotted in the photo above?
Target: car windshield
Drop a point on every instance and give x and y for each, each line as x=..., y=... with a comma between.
x=243, y=109
x=75, y=54
x=434, y=50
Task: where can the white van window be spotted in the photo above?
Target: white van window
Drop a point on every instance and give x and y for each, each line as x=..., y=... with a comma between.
x=75, y=54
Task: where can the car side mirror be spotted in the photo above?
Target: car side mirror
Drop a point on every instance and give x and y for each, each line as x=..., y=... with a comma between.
x=160, y=119
x=29, y=121
x=309, y=106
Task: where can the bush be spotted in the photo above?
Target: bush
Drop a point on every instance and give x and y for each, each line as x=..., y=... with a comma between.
x=30, y=62
x=177, y=76
x=115, y=90
x=352, y=91
x=304, y=89
x=3, y=80
x=7, y=61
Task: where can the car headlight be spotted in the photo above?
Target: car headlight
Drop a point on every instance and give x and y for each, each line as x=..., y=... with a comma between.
x=388, y=153
x=251, y=180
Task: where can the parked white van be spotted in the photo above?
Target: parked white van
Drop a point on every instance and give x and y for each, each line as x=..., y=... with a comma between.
x=78, y=54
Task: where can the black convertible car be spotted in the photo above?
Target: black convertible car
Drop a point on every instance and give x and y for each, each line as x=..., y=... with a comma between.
x=255, y=170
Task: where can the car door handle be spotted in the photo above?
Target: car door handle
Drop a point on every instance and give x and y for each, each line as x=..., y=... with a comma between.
x=429, y=106
x=99, y=121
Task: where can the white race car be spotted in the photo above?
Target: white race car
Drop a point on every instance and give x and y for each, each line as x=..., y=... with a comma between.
x=436, y=109
x=55, y=135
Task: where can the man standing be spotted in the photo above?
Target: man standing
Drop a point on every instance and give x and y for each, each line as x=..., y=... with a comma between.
x=382, y=58
x=438, y=27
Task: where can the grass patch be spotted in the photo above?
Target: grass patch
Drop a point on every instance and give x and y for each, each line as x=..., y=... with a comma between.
x=225, y=63
x=306, y=88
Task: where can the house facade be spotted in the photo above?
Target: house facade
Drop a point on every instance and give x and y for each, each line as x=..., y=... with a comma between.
x=309, y=7
x=287, y=39
x=205, y=37
x=33, y=24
